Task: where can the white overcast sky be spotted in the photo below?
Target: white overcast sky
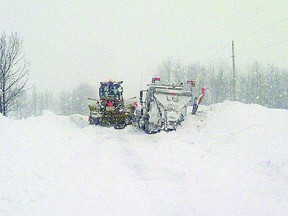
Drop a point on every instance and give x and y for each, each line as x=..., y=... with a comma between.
x=73, y=41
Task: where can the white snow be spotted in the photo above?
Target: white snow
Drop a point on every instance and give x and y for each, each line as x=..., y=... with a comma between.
x=231, y=159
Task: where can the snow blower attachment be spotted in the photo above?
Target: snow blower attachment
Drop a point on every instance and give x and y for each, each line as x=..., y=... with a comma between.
x=110, y=109
x=164, y=106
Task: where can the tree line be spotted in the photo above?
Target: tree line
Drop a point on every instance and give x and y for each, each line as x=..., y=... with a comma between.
x=18, y=100
x=264, y=85
x=34, y=102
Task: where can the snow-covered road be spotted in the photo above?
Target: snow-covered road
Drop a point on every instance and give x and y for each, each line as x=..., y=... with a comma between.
x=232, y=159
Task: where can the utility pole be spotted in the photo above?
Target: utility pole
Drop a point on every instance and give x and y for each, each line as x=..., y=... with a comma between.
x=234, y=74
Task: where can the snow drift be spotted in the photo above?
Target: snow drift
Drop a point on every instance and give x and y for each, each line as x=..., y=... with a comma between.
x=231, y=159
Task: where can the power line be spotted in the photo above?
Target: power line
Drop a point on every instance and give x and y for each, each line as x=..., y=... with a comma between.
x=264, y=28
x=249, y=34
x=243, y=36
x=266, y=46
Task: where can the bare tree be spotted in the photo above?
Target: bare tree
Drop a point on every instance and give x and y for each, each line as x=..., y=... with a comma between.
x=13, y=71
x=171, y=71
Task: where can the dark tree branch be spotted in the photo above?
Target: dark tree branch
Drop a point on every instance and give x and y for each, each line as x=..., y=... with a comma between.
x=13, y=71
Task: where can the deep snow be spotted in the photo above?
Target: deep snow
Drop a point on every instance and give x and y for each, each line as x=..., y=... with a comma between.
x=231, y=159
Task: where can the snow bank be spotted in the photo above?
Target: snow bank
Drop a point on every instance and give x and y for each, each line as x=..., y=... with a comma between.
x=231, y=159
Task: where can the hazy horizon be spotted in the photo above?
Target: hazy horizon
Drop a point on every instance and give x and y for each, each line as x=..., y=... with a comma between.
x=74, y=42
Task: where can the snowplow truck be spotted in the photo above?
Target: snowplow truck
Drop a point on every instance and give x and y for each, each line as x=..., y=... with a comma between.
x=164, y=107
x=110, y=110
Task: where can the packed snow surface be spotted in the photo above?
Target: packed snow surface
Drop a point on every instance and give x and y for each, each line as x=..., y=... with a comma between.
x=231, y=159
